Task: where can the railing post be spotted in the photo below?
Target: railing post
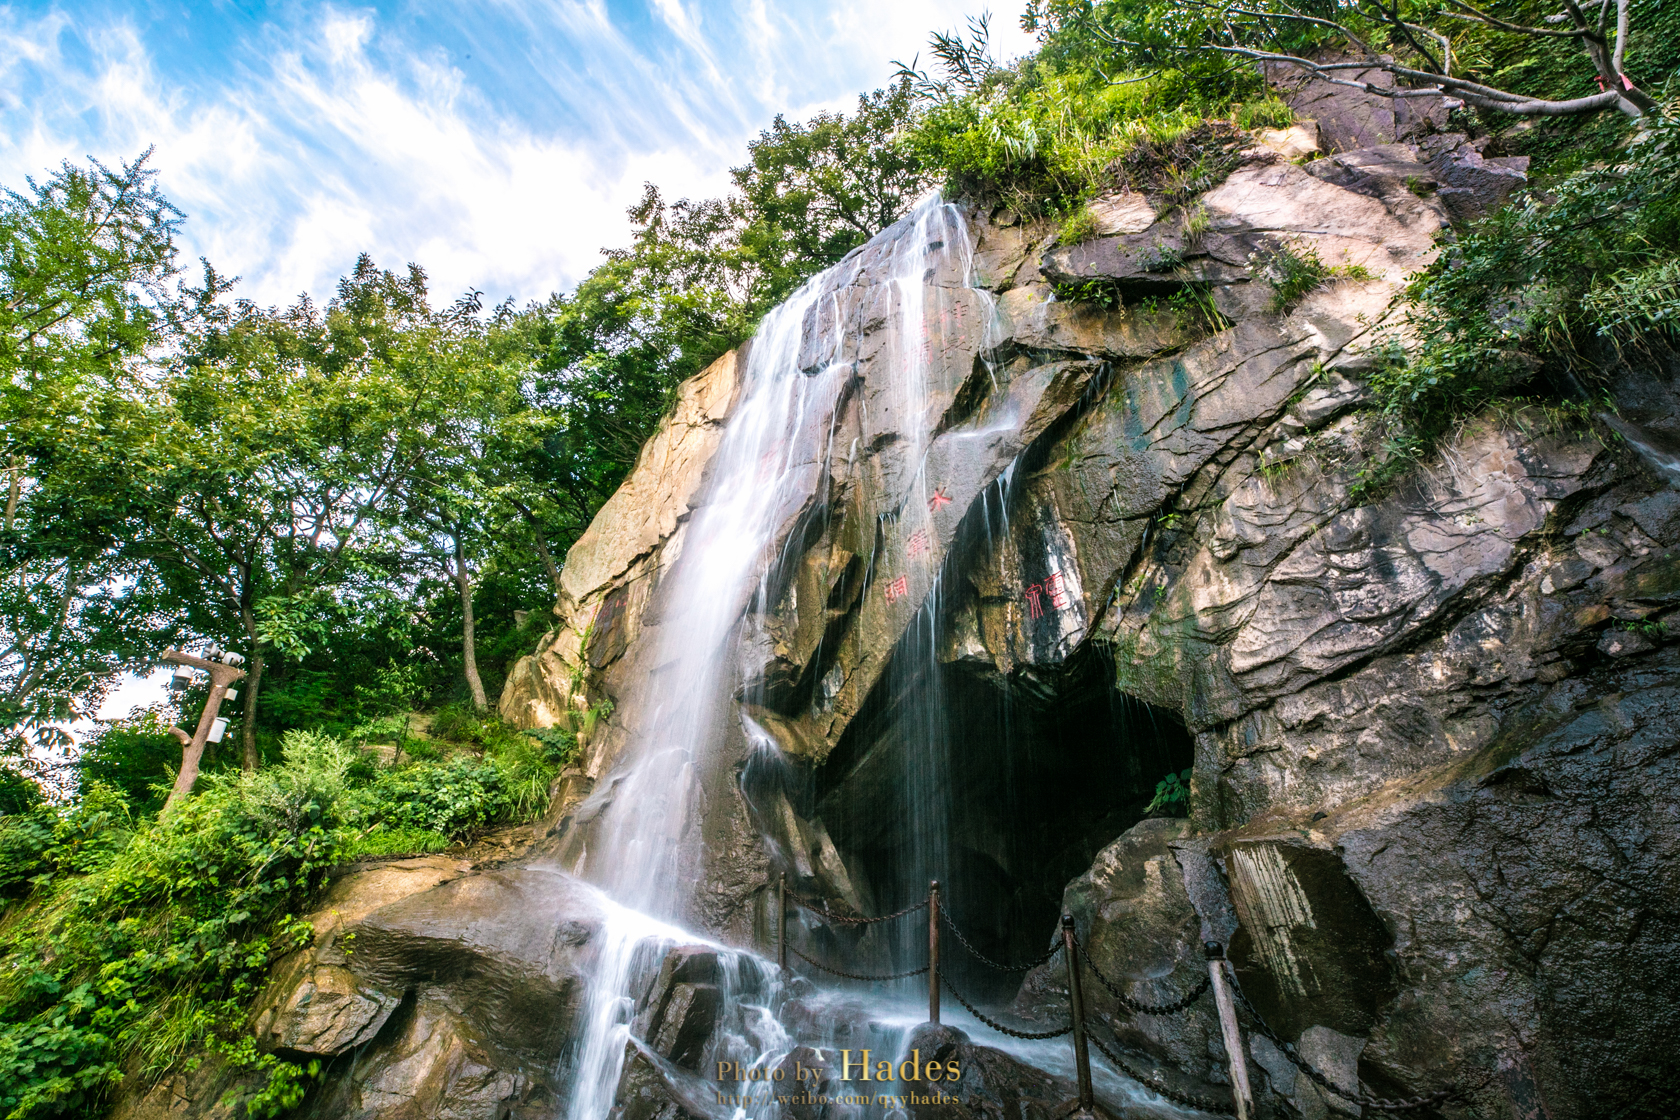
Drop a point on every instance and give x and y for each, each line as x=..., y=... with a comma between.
x=1241, y=1096
x=1076, y=1000
x=933, y=951
x=781, y=924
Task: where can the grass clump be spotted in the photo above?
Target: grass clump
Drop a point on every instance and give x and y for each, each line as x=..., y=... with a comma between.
x=1079, y=226
x=1179, y=157
x=1296, y=270
x=1264, y=112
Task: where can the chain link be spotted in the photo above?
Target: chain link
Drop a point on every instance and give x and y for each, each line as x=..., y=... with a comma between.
x=984, y=959
x=820, y=908
x=993, y=1023
x=1300, y=1063
x=1143, y=1008
x=1165, y=1090
x=854, y=975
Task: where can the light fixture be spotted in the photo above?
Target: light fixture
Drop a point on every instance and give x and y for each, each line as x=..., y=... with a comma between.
x=217, y=730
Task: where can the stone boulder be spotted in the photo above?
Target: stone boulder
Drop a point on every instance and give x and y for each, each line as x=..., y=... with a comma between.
x=432, y=990
x=1144, y=937
x=993, y=1083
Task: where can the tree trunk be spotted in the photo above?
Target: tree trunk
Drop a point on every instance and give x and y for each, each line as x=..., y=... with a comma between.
x=248, y=721
x=469, y=657
x=14, y=488
x=193, y=747
x=542, y=548
x=548, y=561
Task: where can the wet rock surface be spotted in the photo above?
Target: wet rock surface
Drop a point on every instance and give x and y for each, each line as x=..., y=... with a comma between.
x=1433, y=747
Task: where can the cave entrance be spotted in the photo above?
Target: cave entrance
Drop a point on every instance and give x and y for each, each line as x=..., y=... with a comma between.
x=1004, y=789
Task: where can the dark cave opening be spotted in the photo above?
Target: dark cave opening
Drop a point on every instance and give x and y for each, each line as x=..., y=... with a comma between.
x=1003, y=789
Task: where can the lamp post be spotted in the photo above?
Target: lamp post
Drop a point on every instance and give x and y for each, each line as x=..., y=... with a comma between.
x=222, y=674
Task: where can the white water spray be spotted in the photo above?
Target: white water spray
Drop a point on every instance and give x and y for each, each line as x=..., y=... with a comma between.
x=645, y=848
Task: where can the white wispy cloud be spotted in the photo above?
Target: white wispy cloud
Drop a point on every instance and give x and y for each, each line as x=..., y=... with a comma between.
x=498, y=149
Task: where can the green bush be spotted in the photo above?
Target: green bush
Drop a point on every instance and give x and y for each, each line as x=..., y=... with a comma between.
x=51, y=840
x=453, y=799
x=132, y=943
x=1547, y=292
x=458, y=723
x=138, y=757
x=18, y=792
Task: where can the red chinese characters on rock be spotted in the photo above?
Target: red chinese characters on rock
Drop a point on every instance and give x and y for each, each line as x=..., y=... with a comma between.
x=918, y=543
x=940, y=498
x=1053, y=588
x=954, y=316
x=897, y=589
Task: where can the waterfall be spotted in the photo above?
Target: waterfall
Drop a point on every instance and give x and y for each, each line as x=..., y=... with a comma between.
x=644, y=845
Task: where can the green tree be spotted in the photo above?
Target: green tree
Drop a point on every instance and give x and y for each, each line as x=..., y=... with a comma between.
x=278, y=456
x=813, y=192
x=1424, y=47
x=86, y=257
x=462, y=498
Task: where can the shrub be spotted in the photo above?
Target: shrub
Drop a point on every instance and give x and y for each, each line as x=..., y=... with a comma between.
x=1172, y=795
x=139, y=941
x=18, y=792
x=138, y=757
x=1548, y=291
x=458, y=723
x=452, y=799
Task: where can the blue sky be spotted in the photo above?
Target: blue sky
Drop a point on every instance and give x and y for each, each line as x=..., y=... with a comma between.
x=495, y=143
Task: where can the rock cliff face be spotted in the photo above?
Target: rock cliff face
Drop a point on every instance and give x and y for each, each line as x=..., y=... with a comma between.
x=1433, y=753
x=1430, y=721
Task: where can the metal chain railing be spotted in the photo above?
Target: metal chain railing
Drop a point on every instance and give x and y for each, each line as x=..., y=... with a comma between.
x=1381, y=1104
x=1221, y=979
x=854, y=975
x=1161, y=1087
x=993, y=1023
x=820, y=907
x=984, y=959
x=1132, y=1004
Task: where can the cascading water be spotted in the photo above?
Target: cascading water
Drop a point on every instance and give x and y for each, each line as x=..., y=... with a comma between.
x=643, y=846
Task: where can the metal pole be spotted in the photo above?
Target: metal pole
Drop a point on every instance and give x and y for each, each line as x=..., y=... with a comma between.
x=1241, y=1096
x=933, y=951
x=781, y=923
x=1076, y=1001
